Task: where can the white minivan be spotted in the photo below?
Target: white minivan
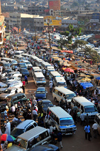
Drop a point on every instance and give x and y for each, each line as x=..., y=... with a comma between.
x=59, y=81
x=84, y=106
x=61, y=93
x=62, y=120
x=39, y=79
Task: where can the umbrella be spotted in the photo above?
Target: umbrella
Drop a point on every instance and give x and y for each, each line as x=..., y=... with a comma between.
x=69, y=70
x=6, y=137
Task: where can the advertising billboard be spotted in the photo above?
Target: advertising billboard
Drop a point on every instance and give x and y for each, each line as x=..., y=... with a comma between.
x=53, y=21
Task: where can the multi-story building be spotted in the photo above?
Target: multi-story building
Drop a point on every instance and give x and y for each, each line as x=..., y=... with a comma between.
x=2, y=28
x=54, y=5
x=32, y=22
x=67, y=21
x=36, y=10
x=14, y=20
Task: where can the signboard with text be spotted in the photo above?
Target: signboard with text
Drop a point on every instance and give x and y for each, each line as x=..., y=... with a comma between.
x=52, y=21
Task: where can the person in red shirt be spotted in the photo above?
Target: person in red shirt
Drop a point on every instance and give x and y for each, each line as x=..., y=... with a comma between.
x=23, y=87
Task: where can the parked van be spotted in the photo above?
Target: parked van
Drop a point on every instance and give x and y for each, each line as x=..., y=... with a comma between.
x=61, y=93
x=18, y=52
x=36, y=69
x=28, y=140
x=38, y=62
x=84, y=106
x=5, y=65
x=54, y=74
x=11, y=61
x=97, y=120
x=48, y=70
x=39, y=79
x=13, y=99
x=45, y=65
x=33, y=60
x=62, y=120
x=59, y=81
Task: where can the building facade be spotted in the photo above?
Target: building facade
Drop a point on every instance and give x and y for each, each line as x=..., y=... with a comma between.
x=54, y=5
x=2, y=27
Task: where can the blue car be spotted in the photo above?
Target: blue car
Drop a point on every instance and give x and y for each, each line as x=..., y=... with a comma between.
x=22, y=65
x=41, y=93
x=24, y=72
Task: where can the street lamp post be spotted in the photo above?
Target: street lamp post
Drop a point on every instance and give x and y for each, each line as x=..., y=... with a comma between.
x=49, y=37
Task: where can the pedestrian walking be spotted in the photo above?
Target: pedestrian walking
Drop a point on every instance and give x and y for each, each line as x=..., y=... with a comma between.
x=59, y=136
x=35, y=114
x=95, y=129
x=50, y=86
x=23, y=86
x=87, y=130
x=82, y=118
x=26, y=79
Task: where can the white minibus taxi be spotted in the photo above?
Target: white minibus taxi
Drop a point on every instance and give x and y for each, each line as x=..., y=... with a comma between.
x=84, y=106
x=39, y=79
x=62, y=120
x=61, y=93
x=54, y=74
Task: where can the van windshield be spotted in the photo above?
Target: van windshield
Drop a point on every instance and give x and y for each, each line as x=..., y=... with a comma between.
x=90, y=109
x=22, y=143
x=61, y=83
x=70, y=96
x=41, y=79
x=66, y=121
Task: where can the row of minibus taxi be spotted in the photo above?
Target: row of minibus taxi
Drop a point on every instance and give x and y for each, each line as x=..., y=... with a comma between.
x=60, y=91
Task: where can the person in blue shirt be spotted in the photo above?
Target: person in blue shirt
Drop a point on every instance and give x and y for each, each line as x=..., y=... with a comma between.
x=87, y=130
x=26, y=79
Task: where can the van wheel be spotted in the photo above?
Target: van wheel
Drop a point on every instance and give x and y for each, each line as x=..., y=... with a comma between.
x=55, y=99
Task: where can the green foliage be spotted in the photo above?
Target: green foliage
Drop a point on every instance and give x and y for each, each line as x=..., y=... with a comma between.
x=93, y=54
x=75, y=4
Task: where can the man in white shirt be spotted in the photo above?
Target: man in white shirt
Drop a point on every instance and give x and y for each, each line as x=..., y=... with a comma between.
x=13, y=109
x=95, y=129
x=50, y=86
x=8, y=128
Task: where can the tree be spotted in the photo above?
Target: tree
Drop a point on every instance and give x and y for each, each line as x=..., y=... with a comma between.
x=93, y=54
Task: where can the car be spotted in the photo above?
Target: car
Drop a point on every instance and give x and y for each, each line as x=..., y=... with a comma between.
x=10, y=79
x=13, y=99
x=24, y=72
x=23, y=127
x=47, y=147
x=44, y=104
x=28, y=64
x=17, y=83
x=14, y=74
x=41, y=93
x=11, y=91
x=3, y=85
x=22, y=65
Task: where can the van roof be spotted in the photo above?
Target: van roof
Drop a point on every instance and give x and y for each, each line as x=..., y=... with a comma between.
x=60, y=79
x=59, y=112
x=55, y=73
x=83, y=101
x=23, y=124
x=32, y=133
x=36, y=68
x=38, y=74
x=64, y=90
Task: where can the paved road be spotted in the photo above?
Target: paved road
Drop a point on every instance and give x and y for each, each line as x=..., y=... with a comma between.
x=76, y=142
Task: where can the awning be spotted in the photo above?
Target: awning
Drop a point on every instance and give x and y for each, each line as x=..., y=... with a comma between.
x=67, y=51
x=98, y=78
x=86, y=85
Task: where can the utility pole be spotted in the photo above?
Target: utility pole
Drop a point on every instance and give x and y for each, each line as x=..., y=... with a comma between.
x=49, y=37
